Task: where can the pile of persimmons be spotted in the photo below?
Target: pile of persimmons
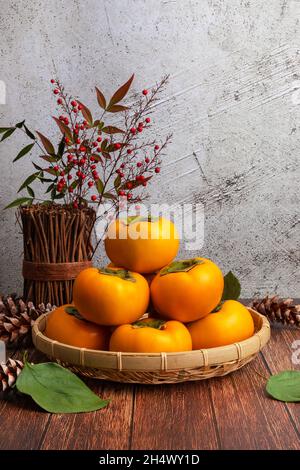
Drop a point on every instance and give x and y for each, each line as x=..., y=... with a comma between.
x=182, y=298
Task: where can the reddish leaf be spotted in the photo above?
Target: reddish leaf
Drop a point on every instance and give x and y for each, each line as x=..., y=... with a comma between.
x=96, y=157
x=48, y=158
x=106, y=155
x=51, y=171
x=98, y=124
x=63, y=128
x=100, y=98
x=116, y=108
x=104, y=144
x=135, y=183
x=121, y=92
x=112, y=130
x=86, y=113
x=46, y=143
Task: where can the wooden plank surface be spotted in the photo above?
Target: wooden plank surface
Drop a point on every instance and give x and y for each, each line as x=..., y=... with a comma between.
x=231, y=412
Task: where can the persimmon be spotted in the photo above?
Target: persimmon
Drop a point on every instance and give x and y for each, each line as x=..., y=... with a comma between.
x=230, y=324
x=187, y=290
x=67, y=326
x=151, y=336
x=141, y=244
x=110, y=296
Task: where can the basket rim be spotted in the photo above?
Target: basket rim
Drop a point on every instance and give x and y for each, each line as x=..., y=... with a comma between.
x=156, y=361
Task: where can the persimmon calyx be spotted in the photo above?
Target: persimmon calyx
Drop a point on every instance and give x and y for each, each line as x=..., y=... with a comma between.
x=121, y=273
x=153, y=323
x=181, y=266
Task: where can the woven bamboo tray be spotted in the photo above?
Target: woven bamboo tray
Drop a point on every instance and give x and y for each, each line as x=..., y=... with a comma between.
x=154, y=368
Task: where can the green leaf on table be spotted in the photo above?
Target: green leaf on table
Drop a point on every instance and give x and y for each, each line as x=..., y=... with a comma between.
x=99, y=186
x=100, y=98
x=232, y=287
x=29, y=133
x=30, y=191
x=117, y=108
x=285, y=386
x=46, y=143
x=19, y=202
x=8, y=133
x=23, y=152
x=120, y=93
x=57, y=390
x=86, y=113
x=112, y=130
x=28, y=181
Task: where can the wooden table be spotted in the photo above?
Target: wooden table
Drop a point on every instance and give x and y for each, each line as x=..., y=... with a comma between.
x=231, y=412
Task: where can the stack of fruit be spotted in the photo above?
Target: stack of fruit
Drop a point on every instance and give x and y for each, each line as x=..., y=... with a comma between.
x=184, y=297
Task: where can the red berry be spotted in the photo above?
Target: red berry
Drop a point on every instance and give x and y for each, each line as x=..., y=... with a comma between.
x=59, y=188
x=117, y=146
x=129, y=195
x=70, y=177
x=122, y=166
x=94, y=198
x=82, y=128
x=129, y=151
x=148, y=120
x=90, y=184
x=156, y=147
x=73, y=103
x=144, y=183
x=78, y=141
x=70, y=189
x=145, y=92
x=82, y=176
x=95, y=144
x=129, y=185
x=79, y=107
x=133, y=130
x=82, y=148
x=98, y=149
x=139, y=164
x=76, y=126
x=76, y=131
x=52, y=80
x=66, y=120
x=75, y=205
x=137, y=208
x=78, y=173
x=122, y=193
x=56, y=168
x=70, y=158
x=147, y=160
x=82, y=161
x=75, y=110
x=62, y=173
x=99, y=139
x=84, y=123
x=61, y=118
x=140, y=129
x=93, y=167
x=59, y=101
x=121, y=174
x=157, y=170
x=56, y=91
x=67, y=140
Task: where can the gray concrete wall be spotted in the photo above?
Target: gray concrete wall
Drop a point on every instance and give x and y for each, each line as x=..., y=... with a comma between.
x=232, y=103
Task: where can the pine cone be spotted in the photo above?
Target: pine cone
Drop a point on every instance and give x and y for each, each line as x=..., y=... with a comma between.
x=9, y=371
x=278, y=310
x=17, y=318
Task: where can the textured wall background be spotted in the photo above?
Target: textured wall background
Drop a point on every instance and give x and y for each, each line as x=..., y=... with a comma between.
x=231, y=103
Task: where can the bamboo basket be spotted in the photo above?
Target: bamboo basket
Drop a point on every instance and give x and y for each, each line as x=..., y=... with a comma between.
x=158, y=368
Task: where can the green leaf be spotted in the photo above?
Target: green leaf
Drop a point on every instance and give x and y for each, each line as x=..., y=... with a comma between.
x=61, y=147
x=48, y=158
x=30, y=191
x=109, y=196
x=50, y=187
x=117, y=108
x=112, y=130
x=99, y=186
x=181, y=266
x=5, y=129
x=23, y=152
x=232, y=287
x=20, y=124
x=121, y=92
x=37, y=167
x=46, y=143
x=100, y=98
x=19, y=202
x=64, y=129
x=121, y=273
x=8, y=133
x=57, y=390
x=117, y=182
x=86, y=113
x=285, y=386
x=74, y=312
x=28, y=181
x=29, y=133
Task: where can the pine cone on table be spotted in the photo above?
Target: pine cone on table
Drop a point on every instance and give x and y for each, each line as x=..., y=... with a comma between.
x=9, y=372
x=17, y=318
x=278, y=310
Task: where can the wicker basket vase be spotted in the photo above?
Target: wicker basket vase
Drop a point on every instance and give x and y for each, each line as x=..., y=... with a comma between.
x=57, y=246
x=154, y=368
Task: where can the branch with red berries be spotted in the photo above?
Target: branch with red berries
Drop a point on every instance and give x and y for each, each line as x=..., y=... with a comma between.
x=94, y=160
